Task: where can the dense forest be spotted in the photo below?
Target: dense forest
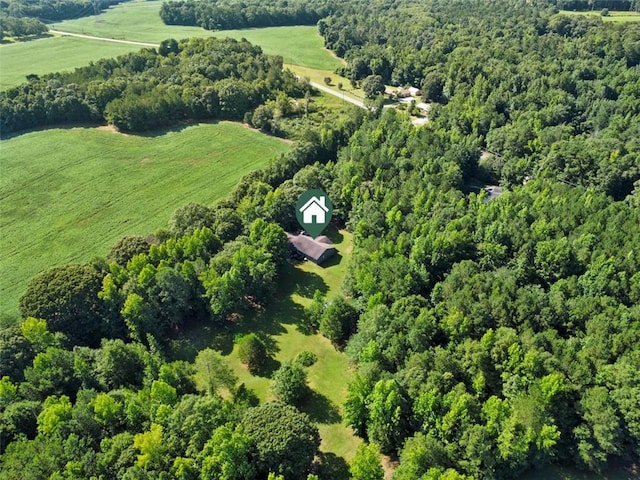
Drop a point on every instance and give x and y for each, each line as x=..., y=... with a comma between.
x=230, y=14
x=192, y=79
x=489, y=337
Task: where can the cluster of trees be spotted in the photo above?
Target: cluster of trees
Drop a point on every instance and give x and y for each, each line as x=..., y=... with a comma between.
x=191, y=79
x=54, y=10
x=20, y=26
x=624, y=5
x=230, y=14
x=537, y=88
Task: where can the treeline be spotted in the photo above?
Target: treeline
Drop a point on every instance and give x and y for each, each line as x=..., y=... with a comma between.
x=584, y=5
x=231, y=14
x=20, y=27
x=550, y=95
x=55, y=10
x=192, y=79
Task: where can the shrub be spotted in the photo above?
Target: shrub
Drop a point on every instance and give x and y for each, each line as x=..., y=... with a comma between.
x=306, y=359
x=253, y=352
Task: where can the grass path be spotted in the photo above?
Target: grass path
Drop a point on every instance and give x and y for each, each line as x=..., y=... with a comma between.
x=66, y=195
x=283, y=322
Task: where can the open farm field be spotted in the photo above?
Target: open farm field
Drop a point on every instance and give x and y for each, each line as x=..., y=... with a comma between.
x=66, y=195
x=55, y=54
x=139, y=21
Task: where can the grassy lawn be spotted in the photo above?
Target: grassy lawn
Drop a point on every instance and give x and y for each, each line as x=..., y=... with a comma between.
x=52, y=55
x=283, y=324
x=618, y=17
x=318, y=76
x=66, y=195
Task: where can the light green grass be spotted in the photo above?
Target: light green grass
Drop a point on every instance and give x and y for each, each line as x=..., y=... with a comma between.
x=67, y=195
x=617, y=17
x=318, y=76
x=301, y=45
x=283, y=321
x=137, y=21
x=52, y=55
x=140, y=21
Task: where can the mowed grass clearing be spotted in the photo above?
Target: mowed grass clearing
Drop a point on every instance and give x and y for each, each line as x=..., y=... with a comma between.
x=67, y=195
x=283, y=322
x=55, y=54
x=617, y=17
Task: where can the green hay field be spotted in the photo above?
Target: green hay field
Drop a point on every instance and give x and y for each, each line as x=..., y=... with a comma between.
x=54, y=54
x=139, y=21
x=67, y=195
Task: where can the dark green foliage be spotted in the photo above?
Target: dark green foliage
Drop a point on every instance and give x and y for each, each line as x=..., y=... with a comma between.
x=67, y=298
x=338, y=320
x=306, y=359
x=126, y=248
x=11, y=26
x=252, y=14
x=252, y=351
x=189, y=218
x=120, y=365
x=16, y=353
x=286, y=439
x=373, y=85
x=289, y=383
x=51, y=11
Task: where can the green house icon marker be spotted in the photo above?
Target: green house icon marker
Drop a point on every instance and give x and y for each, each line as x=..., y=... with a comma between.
x=313, y=211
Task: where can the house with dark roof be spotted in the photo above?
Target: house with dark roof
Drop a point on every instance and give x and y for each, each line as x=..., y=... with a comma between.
x=317, y=250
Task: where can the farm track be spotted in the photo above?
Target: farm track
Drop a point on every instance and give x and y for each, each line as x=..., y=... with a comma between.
x=102, y=39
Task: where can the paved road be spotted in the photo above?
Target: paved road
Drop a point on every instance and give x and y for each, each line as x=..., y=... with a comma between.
x=323, y=88
x=103, y=39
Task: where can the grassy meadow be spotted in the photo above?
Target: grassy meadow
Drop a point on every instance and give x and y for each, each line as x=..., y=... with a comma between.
x=283, y=322
x=54, y=54
x=67, y=195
